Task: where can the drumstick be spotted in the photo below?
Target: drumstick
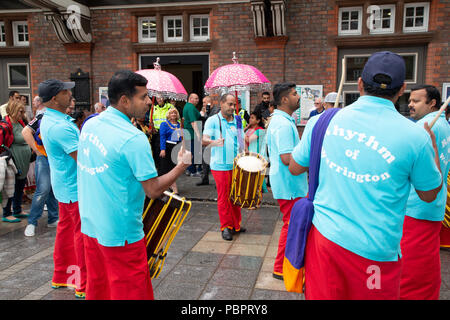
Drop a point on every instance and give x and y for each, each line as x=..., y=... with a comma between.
x=444, y=106
x=341, y=85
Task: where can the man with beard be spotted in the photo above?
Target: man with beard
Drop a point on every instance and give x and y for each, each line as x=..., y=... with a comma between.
x=115, y=172
x=263, y=107
x=282, y=137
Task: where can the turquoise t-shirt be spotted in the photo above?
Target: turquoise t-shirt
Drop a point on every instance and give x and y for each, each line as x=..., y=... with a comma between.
x=60, y=138
x=370, y=157
x=282, y=137
x=435, y=210
x=222, y=157
x=113, y=158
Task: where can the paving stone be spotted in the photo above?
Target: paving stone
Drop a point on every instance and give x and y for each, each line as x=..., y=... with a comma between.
x=234, y=278
x=241, y=262
x=171, y=291
x=261, y=294
x=213, y=292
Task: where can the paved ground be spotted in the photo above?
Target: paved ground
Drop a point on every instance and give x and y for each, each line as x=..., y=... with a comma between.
x=199, y=266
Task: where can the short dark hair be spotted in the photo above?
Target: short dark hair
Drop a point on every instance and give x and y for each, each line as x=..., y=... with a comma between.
x=272, y=103
x=259, y=117
x=124, y=82
x=432, y=93
x=223, y=97
x=266, y=93
x=379, y=92
x=13, y=92
x=280, y=90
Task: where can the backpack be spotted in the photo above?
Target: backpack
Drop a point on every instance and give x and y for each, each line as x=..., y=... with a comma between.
x=6, y=135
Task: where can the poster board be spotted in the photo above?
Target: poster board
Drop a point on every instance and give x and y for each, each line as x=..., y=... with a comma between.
x=103, y=96
x=445, y=91
x=307, y=95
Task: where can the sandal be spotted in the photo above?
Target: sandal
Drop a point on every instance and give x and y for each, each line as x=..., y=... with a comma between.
x=15, y=220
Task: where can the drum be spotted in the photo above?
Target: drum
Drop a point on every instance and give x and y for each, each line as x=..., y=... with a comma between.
x=162, y=219
x=249, y=169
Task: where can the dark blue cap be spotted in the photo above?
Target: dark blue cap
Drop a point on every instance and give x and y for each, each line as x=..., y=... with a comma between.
x=50, y=88
x=387, y=63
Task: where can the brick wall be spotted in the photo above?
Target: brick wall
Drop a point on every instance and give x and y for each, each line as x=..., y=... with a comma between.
x=308, y=56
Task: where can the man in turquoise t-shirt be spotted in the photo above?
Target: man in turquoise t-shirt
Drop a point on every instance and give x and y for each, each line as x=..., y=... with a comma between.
x=371, y=155
x=115, y=172
x=282, y=137
x=60, y=139
x=224, y=135
x=421, y=229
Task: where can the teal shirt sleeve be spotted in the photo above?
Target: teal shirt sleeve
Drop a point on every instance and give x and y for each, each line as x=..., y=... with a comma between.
x=138, y=154
x=284, y=138
x=302, y=150
x=210, y=127
x=67, y=136
x=425, y=175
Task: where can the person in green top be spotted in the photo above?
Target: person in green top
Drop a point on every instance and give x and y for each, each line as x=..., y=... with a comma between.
x=191, y=118
x=21, y=154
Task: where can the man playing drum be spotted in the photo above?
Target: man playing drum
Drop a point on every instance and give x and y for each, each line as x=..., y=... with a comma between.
x=371, y=155
x=224, y=133
x=282, y=137
x=115, y=172
x=423, y=221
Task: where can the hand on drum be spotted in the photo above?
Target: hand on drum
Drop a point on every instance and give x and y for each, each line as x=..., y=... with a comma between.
x=184, y=157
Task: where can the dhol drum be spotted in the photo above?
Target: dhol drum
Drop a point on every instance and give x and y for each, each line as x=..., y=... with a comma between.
x=249, y=170
x=162, y=219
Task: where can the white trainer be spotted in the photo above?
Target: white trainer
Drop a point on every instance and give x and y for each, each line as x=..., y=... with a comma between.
x=30, y=230
x=53, y=224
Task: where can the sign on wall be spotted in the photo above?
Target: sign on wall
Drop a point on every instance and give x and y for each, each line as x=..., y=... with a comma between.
x=307, y=95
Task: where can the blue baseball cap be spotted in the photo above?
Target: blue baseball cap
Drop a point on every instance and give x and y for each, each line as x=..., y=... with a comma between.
x=50, y=88
x=387, y=63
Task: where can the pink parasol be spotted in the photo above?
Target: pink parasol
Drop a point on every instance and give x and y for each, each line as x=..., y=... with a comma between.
x=236, y=77
x=162, y=83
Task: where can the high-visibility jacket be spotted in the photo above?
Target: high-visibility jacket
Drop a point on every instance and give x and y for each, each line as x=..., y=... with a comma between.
x=159, y=114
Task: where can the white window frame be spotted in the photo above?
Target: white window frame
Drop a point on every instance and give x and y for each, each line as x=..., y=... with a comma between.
x=416, y=65
x=15, y=25
x=199, y=16
x=143, y=39
x=2, y=43
x=344, y=103
x=426, y=16
x=166, y=29
x=381, y=30
x=9, y=76
x=350, y=32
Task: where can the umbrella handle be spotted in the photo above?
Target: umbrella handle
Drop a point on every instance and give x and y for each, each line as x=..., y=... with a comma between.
x=150, y=120
x=444, y=106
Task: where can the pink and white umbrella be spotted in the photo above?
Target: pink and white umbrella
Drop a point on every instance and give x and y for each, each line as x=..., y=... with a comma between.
x=162, y=83
x=236, y=77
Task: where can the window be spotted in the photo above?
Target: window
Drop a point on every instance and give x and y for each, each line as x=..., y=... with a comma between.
x=355, y=66
x=20, y=32
x=381, y=18
x=147, y=29
x=18, y=75
x=173, y=28
x=350, y=20
x=2, y=34
x=199, y=27
x=415, y=18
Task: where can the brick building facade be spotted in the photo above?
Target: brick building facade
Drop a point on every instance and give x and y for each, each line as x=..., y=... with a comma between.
x=296, y=40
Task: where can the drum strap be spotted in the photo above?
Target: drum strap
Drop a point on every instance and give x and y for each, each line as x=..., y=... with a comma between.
x=239, y=131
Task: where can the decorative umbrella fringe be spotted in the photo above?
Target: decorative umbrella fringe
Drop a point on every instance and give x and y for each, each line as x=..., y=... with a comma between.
x=232, y=89
x=168, y=95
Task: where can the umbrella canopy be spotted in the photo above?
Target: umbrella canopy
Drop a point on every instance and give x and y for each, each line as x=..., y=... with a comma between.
x=236, y=77
x=162, y=83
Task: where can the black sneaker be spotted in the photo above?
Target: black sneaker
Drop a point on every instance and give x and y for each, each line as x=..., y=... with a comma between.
x=240, y=230
x=226, y=234
x=277, y=276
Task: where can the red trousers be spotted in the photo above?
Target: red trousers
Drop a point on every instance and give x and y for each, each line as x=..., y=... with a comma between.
x=285, y=208
x=117, y=273
x=334, y=273
x=445, y=237
x=68, y=255
x=229, y=214
x=421, y=272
